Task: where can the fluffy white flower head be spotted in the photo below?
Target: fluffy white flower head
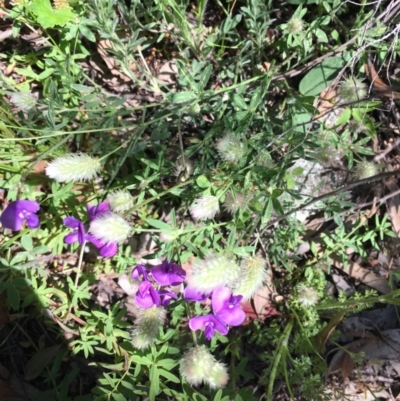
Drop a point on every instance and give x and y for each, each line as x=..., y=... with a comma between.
x=146, y=328
x=307, y=296
x=23, y=100
x=198, y=366
x=205, y=207
x=353, y=89
x=73, y=168
x=295, y=25
x=120, y=201
x=251, y=277
x=230, y=149
x=212, y=272
x=109, y=227
x=235, y=201
x=366, y=169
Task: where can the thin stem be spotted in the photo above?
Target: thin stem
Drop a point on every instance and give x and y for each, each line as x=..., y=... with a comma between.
x=188, y=316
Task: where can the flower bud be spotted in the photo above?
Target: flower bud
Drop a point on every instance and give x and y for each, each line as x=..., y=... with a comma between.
x=212, y=272
x=147, y=325
x=109, y=227
x=198, y=366
x=251, y=277
x=120, y=201
x=73, y=168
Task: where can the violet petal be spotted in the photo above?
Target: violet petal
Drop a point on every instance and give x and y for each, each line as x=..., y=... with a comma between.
x=192, y=295
x=168, y=273
x=147, y=296
x=220, y=298
x=234, y=316
x=109, y=250
x=32, y=220
x=71, y=238
x=167, y=297
x=200, y=322
x=16, y=212
x=71, y=222
x=94, y=211
x=138, y=271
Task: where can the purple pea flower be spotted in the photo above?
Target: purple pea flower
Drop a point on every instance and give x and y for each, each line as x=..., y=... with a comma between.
x=209, y=323
x=192, y=295
x=97, y=210
x=226, y=306
x=167, y=297
x=147, y=296
x=78, y=234
x=17, y=212
x=106, y=249
x=138, y=271
x=168, y=273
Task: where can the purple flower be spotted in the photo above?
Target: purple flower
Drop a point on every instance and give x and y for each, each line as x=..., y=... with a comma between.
x=192, y=295
x=210, y=323
x=147, y=296
x=78, y=234
x=17, y=212
x=167, y=297
x=168, y=273
x=138, y=271
x=226, y=306
x=106, y=249
x=95, y=211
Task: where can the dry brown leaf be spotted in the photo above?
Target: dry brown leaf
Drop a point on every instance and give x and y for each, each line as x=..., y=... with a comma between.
x=393, y=206
x=323, y=336
x=366, y=276
x=168, y=72
x=380, y=346
x=326, y=100
x=378, y=86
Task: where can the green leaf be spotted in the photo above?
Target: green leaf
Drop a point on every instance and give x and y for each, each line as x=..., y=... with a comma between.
x=155, y=382
x=142, y=360
x=27, y=243
x=39, y=361
x=344, y=118
x=159, y=224
x=13, y=297
x=48, y=17
x=87, y=33
x=316, y=80
x=202, y=181
x=169, y=376
x=239, y=102
x=118, y=397
x=183, y=97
